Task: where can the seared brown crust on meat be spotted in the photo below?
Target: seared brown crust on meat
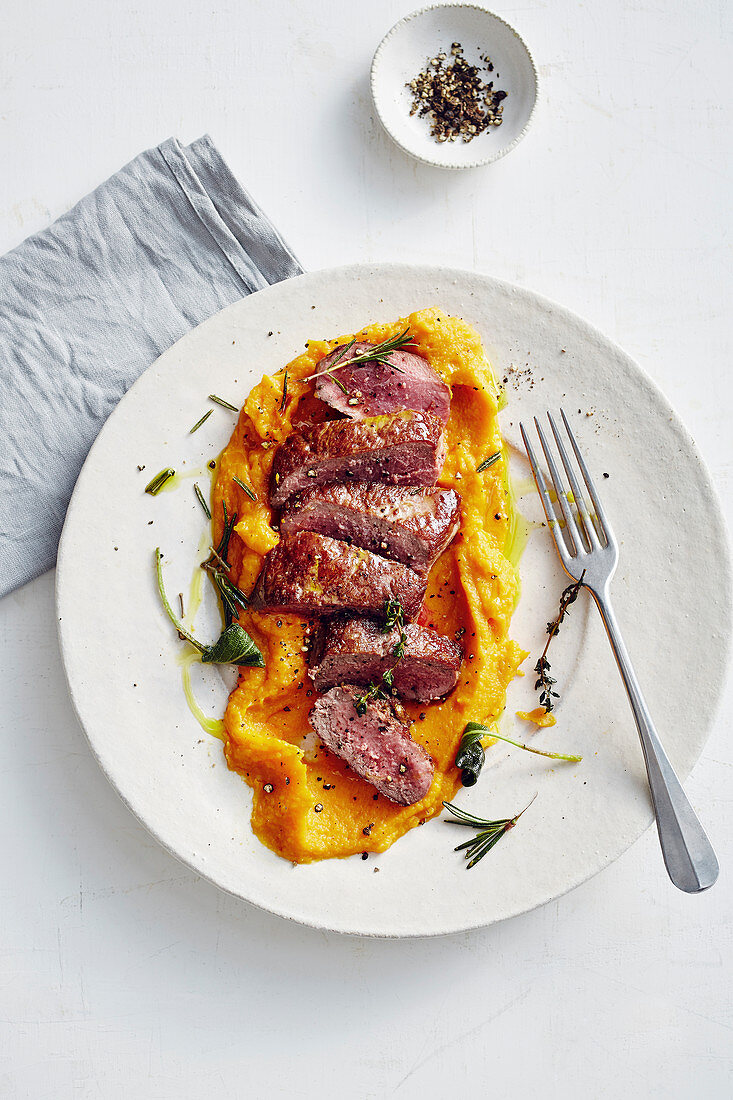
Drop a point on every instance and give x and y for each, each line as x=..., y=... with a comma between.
x=310, y=574
x=412, y=525
x=356, y=651
x=406, y=381
x=404, y=448
x=375, y=745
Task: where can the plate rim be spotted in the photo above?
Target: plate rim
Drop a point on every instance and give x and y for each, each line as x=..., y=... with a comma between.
x=439, y=272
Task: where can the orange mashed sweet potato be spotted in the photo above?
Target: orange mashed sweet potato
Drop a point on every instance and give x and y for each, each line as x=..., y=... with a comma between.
x=307, y=804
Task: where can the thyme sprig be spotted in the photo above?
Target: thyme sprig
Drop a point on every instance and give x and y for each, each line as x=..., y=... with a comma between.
x=394, y=616
x=488, y=832
x=545, y=682
x=374, y=691
x=471, y=755
x=378, y=353
x=233, y=646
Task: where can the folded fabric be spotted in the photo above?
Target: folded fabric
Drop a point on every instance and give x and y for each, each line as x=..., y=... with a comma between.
x=89, y=303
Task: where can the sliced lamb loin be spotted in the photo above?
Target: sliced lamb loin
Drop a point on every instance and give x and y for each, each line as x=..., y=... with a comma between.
x=375, y=745
x=411, y=525
x=405, y=381
x=310, y=574
x=404, y=448
x=356, y=651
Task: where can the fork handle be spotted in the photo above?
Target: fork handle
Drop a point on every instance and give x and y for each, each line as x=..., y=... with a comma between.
x=688, y=854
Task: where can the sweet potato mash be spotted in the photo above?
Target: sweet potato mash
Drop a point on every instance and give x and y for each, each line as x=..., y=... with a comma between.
x=307, y=804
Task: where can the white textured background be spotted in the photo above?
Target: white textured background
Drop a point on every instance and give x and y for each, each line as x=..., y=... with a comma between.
x=124, y=975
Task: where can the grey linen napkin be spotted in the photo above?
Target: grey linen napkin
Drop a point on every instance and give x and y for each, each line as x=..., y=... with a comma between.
x=89, y=303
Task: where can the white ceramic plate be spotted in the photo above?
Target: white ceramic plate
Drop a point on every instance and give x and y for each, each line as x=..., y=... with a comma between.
x=403, y=54
x=672, y=593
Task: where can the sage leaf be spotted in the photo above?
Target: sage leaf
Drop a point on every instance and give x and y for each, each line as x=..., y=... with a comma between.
x=470, y=756
x=233, y=647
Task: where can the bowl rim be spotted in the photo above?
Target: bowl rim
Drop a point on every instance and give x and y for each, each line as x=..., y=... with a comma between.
x=480, y=162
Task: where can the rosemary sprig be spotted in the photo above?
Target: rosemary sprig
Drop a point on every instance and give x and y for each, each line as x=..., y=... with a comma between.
x=343, y=350
x=198, y=423
x=488, y=832
x=211, y=566
x=379, y=353
x=488, y=462
x=201, y=499
x=217, y=566
x=334, y=379
x=229, y=522
x=233, y=646
x=224, y=404
x=232, y=598
x=217, y=559
x=156, y=483
x=285, y=391
x=243, y=485
x=542, y=668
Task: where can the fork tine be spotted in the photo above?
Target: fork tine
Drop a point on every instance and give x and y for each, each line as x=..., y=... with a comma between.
x=586, y=523
x=600, y=513
x=544, y=494
x=572, y=527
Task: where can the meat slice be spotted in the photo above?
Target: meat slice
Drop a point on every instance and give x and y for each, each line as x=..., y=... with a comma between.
x=404, y=448
x=375, y=745
x=355, y=651
x=411, y=525
x=405, y=381
x=310, y=574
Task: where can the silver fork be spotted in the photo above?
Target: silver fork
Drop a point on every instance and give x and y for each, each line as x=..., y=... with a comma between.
x=588, y=549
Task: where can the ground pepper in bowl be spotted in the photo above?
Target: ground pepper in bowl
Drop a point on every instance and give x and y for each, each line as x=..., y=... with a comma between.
x=454, y=96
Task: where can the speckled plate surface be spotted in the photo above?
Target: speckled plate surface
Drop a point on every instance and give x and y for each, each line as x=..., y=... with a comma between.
x=672, y=592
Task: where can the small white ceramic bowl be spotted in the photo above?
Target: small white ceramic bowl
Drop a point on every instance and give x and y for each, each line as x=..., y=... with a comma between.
x=402, y=54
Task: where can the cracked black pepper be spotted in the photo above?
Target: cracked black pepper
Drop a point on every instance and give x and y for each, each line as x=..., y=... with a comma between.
x=455, y=98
